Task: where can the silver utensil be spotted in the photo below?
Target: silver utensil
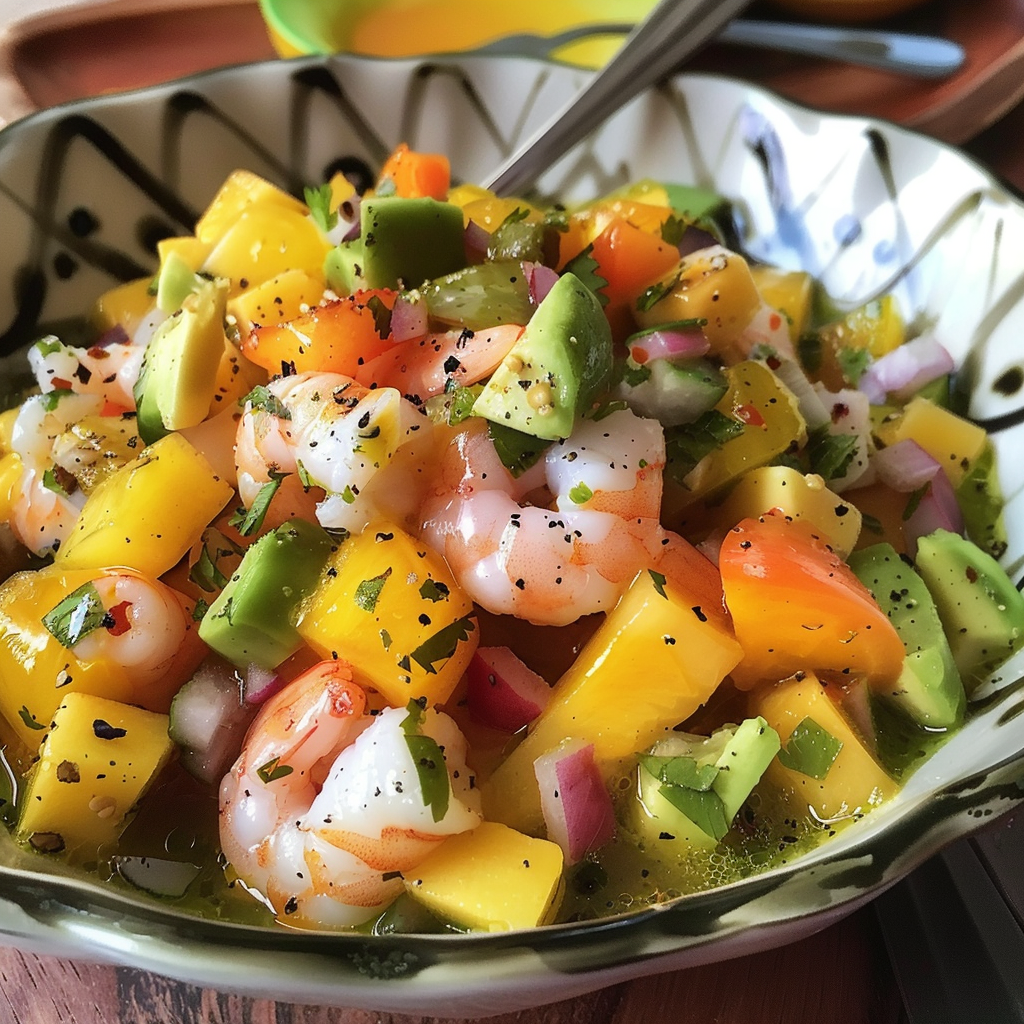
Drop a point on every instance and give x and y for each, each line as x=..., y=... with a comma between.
x=906, y=53
x=669, y=34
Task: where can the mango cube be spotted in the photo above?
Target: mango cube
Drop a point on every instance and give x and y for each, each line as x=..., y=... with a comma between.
x=94, y=765
x=389, y=605
x=491, y=879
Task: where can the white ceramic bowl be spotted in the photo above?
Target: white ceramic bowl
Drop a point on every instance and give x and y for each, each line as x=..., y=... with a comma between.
x=86, y=189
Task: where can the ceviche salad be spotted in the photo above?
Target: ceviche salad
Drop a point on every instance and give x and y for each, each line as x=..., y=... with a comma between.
x=422, y=559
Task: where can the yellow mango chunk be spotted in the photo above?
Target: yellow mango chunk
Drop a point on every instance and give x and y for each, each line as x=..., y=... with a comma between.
x=281, y=298
x=123, y=306
x=94, y=765
x=7, y=419
x=190, y=250
x=492, y=879
x=852, y=783
x=149, y=513
x=389, y=605
x=685, y=653
x=712, y=284
x=242, y=191
x=955, y=443
x=771, y=424
x=37, y=670
x=797, y=495
x=788, y=291
x=11, y=469
x=263, y=242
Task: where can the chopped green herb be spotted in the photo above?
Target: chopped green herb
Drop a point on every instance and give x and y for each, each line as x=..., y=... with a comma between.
x=319, y=202
x=29, y=719
x=248, y=523
x=429, y=761
x=75, y=617
x=431, y=590
x=518, y=451
x=381, y=316
x=53, y=398
x=673, y=229
x=274, y=770
x=686, y=785
x=853, y=362
x=653, y=295
x=385, y=639
x=53, y=480
x=915, y=500
x=811, y=750
x=443, y=644
x=304, y=478
x=830, y=454
x=688, y=444
x=368, y=592
x=261, y=398
x=348, y=495
x=659, y=582
x=586, y=268
x=200, y=609
x=633, y=374
x=580, y=494
x=48, y=345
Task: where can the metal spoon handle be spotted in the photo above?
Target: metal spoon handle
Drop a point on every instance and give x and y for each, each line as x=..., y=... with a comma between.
x=925, y=56
x=670, y=33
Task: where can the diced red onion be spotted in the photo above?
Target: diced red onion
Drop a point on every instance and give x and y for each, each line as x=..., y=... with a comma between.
x=349, y=224
x=937, y=510
x=408, y=318
x=577, y=808
x=668, y=344
x=904, y=466
x=905, y=370
x=694, y=239
x=540, y=279
x=116, y=335
x=260, y=684
x=475, y=240
x=502, y=692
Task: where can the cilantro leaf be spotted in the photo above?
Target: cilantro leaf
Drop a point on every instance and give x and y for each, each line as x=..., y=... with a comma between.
x=274, y=770
x=580, y=494
x=319, y=202
x=853, y=362
x=434, y=591
x=688, y=444
x=248, y=523
x=586, y=268
x=261, y=398
x=368, y=592
x=829, y=454
x=29, y=719
x=659, y=582
x=518, y=451
x=442, y=645
x=428, y=758
x=76, y=616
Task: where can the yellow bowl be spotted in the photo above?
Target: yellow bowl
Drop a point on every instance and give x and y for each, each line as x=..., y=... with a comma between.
x=399, y=28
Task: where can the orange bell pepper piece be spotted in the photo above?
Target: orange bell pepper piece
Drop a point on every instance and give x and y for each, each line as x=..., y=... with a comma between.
x=337, y=337
x=796, y=606
x=630, y=259
x=416, y=175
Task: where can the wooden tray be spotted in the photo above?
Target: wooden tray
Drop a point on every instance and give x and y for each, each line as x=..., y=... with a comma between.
x=122, y=44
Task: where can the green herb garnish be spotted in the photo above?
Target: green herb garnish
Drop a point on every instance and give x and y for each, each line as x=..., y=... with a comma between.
x=319, y=202
x=76, y=616
x=368, y=592
x=442, y=645
x=811, y=750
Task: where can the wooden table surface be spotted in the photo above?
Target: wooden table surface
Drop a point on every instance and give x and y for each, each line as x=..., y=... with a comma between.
x=840, y=975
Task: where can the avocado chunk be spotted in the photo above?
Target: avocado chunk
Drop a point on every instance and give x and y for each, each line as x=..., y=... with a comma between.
x=179, y=371
x=690, y=787
x=252, y=621
x=981, y=610
x=980, y=497
x=409, y=241
x=175, y=282
x=553, y=373
x=343, y=268
x=929, y=689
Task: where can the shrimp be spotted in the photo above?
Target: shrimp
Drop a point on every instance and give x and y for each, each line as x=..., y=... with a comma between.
x=107, y=370
x=326, y=805
x=552, y=566
x=50, y=499
x=365, y=447
x=143, y=628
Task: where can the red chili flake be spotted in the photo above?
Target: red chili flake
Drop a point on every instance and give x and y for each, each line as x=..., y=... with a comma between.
x=60, y=383
x=119, y=622
x=840, y=411
x=750, y=415
x=639, y=355
x=774, y=321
